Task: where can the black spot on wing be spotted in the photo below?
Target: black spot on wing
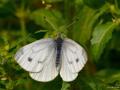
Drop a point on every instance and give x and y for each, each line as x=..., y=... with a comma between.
x=77, y=60
x=29, y=59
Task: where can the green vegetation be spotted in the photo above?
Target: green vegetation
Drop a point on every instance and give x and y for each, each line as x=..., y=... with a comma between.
x=97, y=29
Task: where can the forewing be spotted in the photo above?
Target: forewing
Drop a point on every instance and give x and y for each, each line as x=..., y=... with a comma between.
x=32, y=56
x=49, y=71
x=73, y=58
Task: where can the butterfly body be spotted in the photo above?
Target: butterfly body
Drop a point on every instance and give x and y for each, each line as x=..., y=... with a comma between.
x=46, y=58
x=59, y=42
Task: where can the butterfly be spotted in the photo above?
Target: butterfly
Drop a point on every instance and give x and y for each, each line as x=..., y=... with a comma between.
x=44, y=59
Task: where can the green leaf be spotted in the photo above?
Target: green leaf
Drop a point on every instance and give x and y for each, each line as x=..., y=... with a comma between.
x=65, y=86
x=10, y=85
x=83, y=28
x=52, y=85
x=42, y=16
x=20, y=81
x=110, y=78
x=114, y=42
x=89, y=82
x=101, y=36
x=2, y=89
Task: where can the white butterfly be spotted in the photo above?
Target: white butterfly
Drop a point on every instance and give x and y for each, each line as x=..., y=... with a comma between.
x=46, y=58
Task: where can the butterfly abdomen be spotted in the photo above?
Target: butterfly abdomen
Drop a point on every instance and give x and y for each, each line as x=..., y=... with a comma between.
x=59, y=42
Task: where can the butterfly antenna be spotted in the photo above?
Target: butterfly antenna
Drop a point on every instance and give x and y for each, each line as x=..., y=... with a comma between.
x=52, y=25
x=76, y=20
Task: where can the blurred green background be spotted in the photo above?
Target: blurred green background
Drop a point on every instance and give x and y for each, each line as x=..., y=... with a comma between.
x=97, y=29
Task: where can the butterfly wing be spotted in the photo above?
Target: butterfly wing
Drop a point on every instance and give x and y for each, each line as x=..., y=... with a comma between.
x=73, y=58
x=32, y=56
x=49, y=71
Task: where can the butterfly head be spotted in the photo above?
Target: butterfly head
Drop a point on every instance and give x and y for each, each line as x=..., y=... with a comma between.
x=60, y=33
